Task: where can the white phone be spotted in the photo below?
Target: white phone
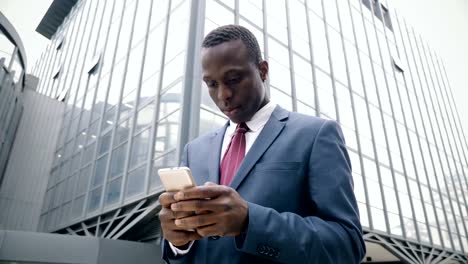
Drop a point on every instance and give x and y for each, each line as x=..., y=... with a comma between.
x=176, y=179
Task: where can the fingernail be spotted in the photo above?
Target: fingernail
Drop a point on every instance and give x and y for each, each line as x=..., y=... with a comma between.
x=179, y=196
x=177, y=222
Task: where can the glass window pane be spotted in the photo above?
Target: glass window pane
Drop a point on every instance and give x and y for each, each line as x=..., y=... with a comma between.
x=83, y=180
x=167, y=134
x=136, y=181
x=378, y=219
x=141, y=21
x=276, y=19
x=158, y=12
x=373, y=190
x=364, y=217
x=118, y=160
x=122, y=131
x=359, y=188
x=252, y=10
x=144, y=118
x=94, y=199
x=140, y=147
x=435, y=236
x=395, y=225
x=410, y=228
x=99, y=171
x=282, y=99
x=113, y=191
x=218, y=14
x=210, y=121
x=391, y=200
x=154, y=54
x=132, y=77
x=88, y=154
x=178, y=33
x=77, y=209
x=104, y=143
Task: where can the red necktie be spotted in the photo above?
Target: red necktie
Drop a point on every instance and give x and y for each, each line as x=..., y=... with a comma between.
x=234, y=155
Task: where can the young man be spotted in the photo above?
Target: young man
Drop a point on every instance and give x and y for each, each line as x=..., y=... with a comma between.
x=274, y=186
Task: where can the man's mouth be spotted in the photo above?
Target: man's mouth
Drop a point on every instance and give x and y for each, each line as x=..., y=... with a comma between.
x=231, y=110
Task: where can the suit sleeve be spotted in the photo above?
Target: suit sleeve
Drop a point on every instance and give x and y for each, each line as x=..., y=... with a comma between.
x=168, y=254
x=333, y=234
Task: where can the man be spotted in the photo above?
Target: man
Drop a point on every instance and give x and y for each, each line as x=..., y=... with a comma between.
x=274, y=186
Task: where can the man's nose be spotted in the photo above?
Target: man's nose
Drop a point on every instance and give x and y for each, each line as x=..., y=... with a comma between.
x=224, y=93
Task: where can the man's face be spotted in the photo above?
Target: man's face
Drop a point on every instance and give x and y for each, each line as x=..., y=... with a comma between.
x=234, y=83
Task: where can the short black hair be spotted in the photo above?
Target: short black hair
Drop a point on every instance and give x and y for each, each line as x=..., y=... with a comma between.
x=234, y=32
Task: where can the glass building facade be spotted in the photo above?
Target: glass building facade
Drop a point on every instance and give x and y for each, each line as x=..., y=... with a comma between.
x=129, y=74
x=12, y=84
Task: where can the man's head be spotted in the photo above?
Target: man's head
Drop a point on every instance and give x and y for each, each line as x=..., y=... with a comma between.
x=234, y=71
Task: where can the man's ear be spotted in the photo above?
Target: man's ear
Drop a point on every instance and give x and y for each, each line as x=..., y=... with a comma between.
x=263, y=69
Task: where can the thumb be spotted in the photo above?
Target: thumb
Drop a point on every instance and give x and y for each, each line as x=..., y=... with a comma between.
x=209, y=184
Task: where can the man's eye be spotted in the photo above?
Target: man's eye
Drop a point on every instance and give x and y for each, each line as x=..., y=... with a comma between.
x=233, y=80
x=211, y=84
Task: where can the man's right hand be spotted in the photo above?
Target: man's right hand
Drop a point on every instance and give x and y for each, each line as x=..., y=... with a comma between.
x=177, y=236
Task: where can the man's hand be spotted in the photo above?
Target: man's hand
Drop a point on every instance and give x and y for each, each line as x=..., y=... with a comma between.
x=178, y=236
x=220, y=211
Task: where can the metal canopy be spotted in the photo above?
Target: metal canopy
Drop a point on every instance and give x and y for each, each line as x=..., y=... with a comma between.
x=58, y=10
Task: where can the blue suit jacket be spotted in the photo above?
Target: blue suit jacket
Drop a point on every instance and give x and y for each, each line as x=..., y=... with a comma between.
x=297, y=181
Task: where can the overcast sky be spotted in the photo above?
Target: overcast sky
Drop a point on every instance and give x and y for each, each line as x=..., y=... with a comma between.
x=442, y=23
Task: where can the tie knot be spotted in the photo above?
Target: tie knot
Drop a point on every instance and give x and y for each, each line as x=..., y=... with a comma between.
x=242, y=128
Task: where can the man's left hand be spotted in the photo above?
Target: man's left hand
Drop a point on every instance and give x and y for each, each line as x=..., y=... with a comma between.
x=220, y=210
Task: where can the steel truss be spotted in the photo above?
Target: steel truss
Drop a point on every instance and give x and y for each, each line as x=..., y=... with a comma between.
x=413, y=252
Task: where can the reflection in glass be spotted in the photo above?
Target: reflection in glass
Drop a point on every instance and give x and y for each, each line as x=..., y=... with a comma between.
x=113, y=191
x=104, y=143
x=140, y=147
x=118, y=160
x=99, y=171
x=136, y=181
x=122, y=131
x=77, y=208
x=395, y=224
x=210, y=121
x=144, y=117
x=83, y=180
x=167, y=134
x=94, y=199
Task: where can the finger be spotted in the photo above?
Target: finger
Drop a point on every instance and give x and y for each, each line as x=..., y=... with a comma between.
x=193, y=222
x=166, y=199
x=179, y=215
x=202, y=206
x=201, y=192
x=209, y=184
x=166, y=215
x=194, y=206
x=170, y=226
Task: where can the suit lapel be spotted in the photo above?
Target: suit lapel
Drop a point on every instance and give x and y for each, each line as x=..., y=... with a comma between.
x=214, y=158
x=269, y=133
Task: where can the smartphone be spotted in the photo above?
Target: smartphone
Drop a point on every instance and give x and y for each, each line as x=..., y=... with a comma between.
x=175, y=179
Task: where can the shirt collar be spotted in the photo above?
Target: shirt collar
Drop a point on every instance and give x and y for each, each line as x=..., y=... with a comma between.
x=258, y=120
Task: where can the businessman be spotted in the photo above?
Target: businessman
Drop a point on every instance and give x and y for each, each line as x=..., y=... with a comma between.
x=273, y=186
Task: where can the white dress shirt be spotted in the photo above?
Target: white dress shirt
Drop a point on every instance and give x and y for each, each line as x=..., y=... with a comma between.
x=255, y=125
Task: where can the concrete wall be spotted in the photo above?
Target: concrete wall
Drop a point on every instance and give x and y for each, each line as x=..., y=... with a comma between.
x=32, y=247
x=25, y=181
